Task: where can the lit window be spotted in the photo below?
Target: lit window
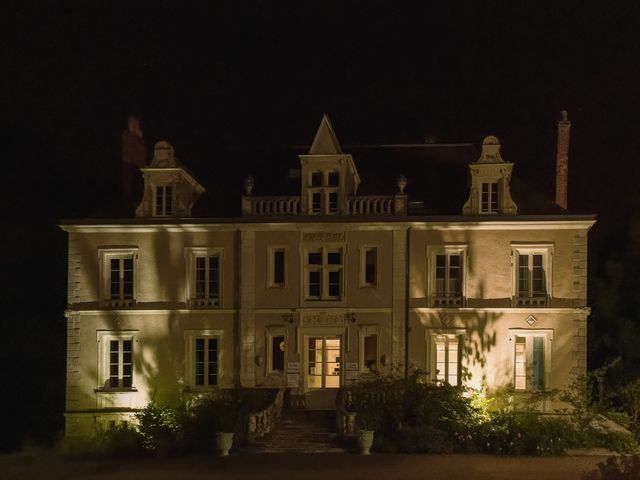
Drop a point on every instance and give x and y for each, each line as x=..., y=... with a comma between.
x=118, y=277
x=324, y=269
x=204, y=271
x=203, y=355
x=447, y=275
x=489, y=198
x=115, y=360
x=531, y=360
x=446, y=358
x=164, y=200
x=532, y=268
x=368, y=266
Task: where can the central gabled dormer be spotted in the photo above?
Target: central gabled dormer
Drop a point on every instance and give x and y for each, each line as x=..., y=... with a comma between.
x=169, y=190
x=490, y=183
x=328, y=176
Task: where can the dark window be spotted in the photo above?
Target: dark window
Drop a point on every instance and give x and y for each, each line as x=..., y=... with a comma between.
x=315, y=258
x=277, y=353
x=115, y=278
x=278, y=267
x=127, y=277
x=537, y=276
x=494, y=197
x=334, y=258
x=333, y=179
x=199, y=361
x=206, y=361
x=127, y=365
x=212, y=362
x=316, y=202
x=333, y=202
x=370, y=260
x=334, y=284
x=114, y=363
x=489, y=198
x=213, y=277
x=314, y=284
x=168, y=200
x=316, y=179
x=370, y=353
x=538, y=363
x=159, y=198
x=201, y=276
x=523, y=275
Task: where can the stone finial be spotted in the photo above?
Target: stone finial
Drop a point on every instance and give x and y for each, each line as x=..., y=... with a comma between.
x=401, y=183
x=248, y=183
x=490, y=150
x=163, y=156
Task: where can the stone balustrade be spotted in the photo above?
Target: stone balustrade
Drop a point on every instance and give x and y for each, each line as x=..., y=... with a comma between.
x=261, y=422
x=271, y=205
x=370, y=205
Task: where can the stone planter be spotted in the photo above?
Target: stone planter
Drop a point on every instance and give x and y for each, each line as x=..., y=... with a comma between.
x=365, y=440
x=224, y=442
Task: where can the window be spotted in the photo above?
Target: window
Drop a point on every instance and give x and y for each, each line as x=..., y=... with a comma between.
x=164, y=200
x=333, y=179
x=323, y=193
x=369, y=346
x=532, y=273
x=324, y=270
x=446, y=275
x=489, y=198
x=276, y=348
x=316, y=179
x=115, y=360
x=204, y=281
x=368, y=266
x=531, y=359
x=118, y=277
x=276, y=267
x=446, y=357
x=203, y=352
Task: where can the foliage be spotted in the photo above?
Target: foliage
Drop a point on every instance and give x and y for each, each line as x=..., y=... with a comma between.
x=161, y=428
x=616, y=468
x=121, y=441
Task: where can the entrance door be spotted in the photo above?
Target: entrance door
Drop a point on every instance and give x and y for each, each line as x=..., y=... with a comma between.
x=323, y=362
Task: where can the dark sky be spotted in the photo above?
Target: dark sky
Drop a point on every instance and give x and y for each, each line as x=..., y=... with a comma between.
x=259, y=75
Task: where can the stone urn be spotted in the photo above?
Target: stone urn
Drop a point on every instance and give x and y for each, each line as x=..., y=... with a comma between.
x=224, y=442
x=365, y=440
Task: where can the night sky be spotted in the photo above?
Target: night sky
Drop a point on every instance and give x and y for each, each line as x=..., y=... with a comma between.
x=258, y=76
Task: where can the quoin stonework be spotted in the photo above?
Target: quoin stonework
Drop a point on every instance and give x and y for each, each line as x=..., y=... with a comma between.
x=329, y=284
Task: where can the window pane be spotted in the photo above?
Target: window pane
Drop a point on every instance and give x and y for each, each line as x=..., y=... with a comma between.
x=200, y=276
x=441, y=359
x=168, y=200
x=538, y=363
x=315, y=258
x=334, y=284
x=452, y=374
x=114, y=291
x=316, y=179
x=212, y=364
x=213, y=276
x=521, y=364
x=277, y=353
x=114, y=362
x=441, y=271
x=494, y=197
x=370, y=266
x=523, y=275
x=484, y=198
x=199, y=361
x=314, y=284
x=455, y=283
x=333, y=179
x=334, y=258
x=159, y=200
x=128, y=278
x=333, y=202
x=537, y=276
x=316, y=202
x=278, y=267
x=370, y=353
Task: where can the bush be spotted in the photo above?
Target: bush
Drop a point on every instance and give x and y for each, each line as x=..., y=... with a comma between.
x=616, y=468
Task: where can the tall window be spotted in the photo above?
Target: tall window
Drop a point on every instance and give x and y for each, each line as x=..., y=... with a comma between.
x=368, y=266
x=277, y=345
x=276, y=266
x=206, y=361
x=324, y=270
x=205, y=276
x=164, y=200
x=489, y=197
x=446, y=358
x=323, y=192
x=532, y=267
x=530, y=361
x=203, y=358
x=118, y=277
x=369, y=355
x=115, y=359
x=446, y=275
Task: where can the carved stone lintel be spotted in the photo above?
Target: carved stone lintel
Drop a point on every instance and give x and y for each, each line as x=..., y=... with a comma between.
x=323, y=237
x=323, y=320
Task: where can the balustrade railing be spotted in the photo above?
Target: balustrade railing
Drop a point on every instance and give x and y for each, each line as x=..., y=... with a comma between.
x=370, y=205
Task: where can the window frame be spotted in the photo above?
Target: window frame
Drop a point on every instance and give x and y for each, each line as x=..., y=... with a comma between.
x=190, y=337
x=271, y=261
x=191, y=254
x=436, y=301
x=460, y=335
x=366, y=331
x=325, y=190
x=325, y=268
x=529, y=334
x=163, y=209
x=529, y=249
x=363, y=266
x=271, y=333
x=490, y=210
x=104, y=338
x=105, y=255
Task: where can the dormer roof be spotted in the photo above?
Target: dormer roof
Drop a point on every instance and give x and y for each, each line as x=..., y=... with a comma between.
x=325, y=142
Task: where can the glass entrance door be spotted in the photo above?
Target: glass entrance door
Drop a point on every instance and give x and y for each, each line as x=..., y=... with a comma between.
x=323, y=362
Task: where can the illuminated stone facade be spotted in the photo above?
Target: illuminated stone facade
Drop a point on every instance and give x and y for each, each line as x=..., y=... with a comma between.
x=318, y=290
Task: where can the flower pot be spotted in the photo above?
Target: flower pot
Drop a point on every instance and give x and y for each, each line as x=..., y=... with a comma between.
x=224, y=442
x=365, y=440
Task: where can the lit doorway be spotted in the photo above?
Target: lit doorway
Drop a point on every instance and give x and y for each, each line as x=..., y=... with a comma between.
x=324, y=362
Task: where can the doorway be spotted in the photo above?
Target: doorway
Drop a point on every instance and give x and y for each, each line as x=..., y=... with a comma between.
x=324, y=361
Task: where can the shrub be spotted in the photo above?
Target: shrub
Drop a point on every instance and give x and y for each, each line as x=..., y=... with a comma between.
x=616, y=468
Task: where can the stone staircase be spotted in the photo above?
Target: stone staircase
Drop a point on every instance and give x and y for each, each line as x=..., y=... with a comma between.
x=300, y=431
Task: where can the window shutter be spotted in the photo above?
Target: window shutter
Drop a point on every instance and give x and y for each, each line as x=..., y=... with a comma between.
x=538, y=363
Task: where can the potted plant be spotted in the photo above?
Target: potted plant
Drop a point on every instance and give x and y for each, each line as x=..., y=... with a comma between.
x=367, y=420
x=227, y=421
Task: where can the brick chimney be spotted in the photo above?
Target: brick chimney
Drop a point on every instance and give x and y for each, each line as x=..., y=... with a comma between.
x=562, y=160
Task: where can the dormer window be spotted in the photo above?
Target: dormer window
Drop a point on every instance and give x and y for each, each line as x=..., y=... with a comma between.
x=164, y=201
x=316, y=179
x=489, y=198
x=323, y=193
x=333, y=179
